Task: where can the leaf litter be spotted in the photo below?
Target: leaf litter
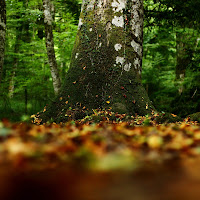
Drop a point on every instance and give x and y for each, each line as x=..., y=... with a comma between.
x=102, y=141
x=103, y=156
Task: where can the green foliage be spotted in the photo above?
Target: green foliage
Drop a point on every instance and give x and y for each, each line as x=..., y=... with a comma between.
x=167, y=25
x=26, y=59
x=176, y=13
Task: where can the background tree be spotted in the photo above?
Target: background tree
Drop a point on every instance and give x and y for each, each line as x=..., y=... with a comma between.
x=18, y=34
x=48, y=22
x=186, y=41
x=2, y=34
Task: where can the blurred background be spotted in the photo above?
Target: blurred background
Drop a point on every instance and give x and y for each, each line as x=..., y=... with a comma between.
x=171, y=67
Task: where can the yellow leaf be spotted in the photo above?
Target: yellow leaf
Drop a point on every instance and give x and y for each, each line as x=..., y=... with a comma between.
x=108, y=102
x=44, y=109
x=155, y=141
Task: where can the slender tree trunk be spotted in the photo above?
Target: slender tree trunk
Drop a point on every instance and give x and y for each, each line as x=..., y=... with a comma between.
x=182, y=61
x=12, y=82
x=185, y=48
x=22, y=34
x=2, y=34
x=15, y=61
x=106, y=62
x=15, y=64
x=26, y=99
x=48, y=21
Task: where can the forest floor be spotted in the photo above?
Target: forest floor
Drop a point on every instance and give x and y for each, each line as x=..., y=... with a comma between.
x=138, y=159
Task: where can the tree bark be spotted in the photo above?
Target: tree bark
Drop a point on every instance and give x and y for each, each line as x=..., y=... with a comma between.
x=16, y=60
x=2, y=34
x=48, y=21
x=12, y=80
x=185, y=48
x=106, y=61
x=22, y=34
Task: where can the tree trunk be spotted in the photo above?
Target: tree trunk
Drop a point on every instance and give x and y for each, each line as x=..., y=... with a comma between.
x=22, y=34
x=2, y=34
x=15, y=61
x=48, y=21
x=12, y=81
x=106, y=60
x=185, y=49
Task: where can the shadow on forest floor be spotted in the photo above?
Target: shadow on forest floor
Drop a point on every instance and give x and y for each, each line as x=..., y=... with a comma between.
x=102, y=161
x=173, y=180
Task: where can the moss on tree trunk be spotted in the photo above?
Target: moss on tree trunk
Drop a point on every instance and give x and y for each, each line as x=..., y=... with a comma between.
x=106, y=61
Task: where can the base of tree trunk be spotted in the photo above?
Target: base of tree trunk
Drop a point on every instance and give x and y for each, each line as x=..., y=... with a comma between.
x=194, y=116
x=127, y=95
